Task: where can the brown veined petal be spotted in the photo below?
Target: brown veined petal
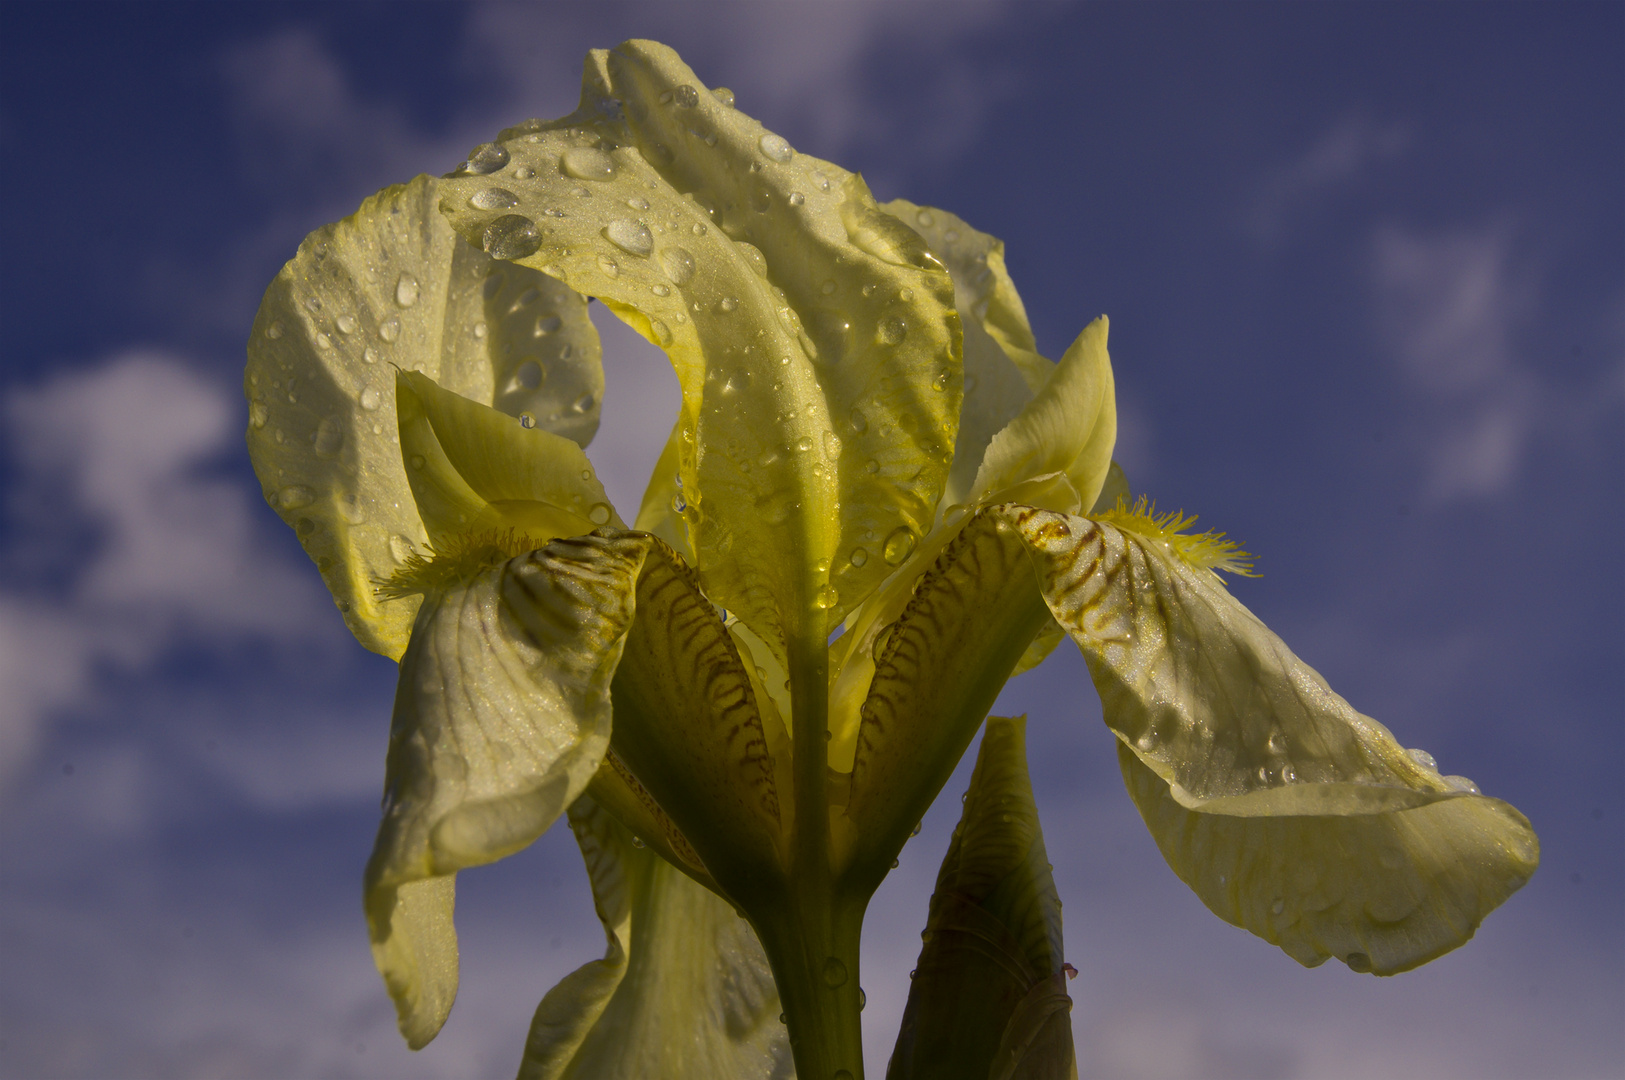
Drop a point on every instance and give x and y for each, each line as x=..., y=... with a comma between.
x=683, y=991
x=939, y=670
x=502, y=716
x=1285, y=810
x=393, y=285
x=988, y=998
x=813, y=335
x=687, y=725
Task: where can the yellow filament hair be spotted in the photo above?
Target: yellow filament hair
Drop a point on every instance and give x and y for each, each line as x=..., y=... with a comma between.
x=1205, y=551
x=458, y=560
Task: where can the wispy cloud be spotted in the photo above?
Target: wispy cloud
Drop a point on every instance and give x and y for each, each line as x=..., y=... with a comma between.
x=1449, y=306
x=149, y=550
x=1348, y=151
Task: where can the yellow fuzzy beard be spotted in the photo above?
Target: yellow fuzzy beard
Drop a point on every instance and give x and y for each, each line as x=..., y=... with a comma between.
x=1205, y=551
x=457, y=561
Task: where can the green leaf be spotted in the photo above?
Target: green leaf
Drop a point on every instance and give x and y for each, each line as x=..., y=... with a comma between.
x=394, y=285
x=813, y=335
x=684, y=989
x=502, y=717
x=988, y=998
x=1288, y=813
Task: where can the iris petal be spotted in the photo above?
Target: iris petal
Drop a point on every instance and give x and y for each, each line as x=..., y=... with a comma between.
x=394, y=285
x=1285, y=810
x=813, y=335
x=684, y=989
x=502, y=716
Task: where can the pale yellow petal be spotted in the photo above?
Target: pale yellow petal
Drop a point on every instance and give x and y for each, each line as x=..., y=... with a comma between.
x=502, y=716
x=664, y=503
x=1285, y=810
x=474, y=469
x=988, y=997
x=814, y=336
x=394, y=285
x=1068, y=428
x=996, y=380
x=689, y=992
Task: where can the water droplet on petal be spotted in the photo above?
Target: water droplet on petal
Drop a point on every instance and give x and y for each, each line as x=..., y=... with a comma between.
x=678, y=265
x=295, y=496
x=797, y=198
x=859, y=556
x=632, y=237
x=369, y=355
x=728, y=304
x=891, y=330
x=587, y=163
x=487, y=158
x=370, y=399
x=775, y=147
x=582, y=404
x=1358, y=961
x=804, y=444
x=834, y=972
x=406, y=290
x=511, y=236
x=1424, y=759
x=547, y=324
x=686, y=96
x=662, y=332
x=390, y=328
x=924, y=218
x=1279, y=906
x=941, y=381
x=417, y=461
x=1461, y=783
x=274, y=331
x=900, y=545
x=493, y=198
x=258, y=415
x=599, y=514
x=346, y=324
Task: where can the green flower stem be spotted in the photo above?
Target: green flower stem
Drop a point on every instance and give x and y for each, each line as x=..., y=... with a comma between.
x=811, y=938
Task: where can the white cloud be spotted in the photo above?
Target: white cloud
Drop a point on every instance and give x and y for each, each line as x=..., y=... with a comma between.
x=1450, y=305
x=1350, y=148
x=122, y=449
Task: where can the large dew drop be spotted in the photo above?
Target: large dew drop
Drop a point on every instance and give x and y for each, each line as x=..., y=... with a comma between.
x=678, y=265
x=486, y=158
x=511, y=236
x=900, y=545
x=493, y=198
x=775, y=147
x=632, y=237
x=587, y=163
x=406, y=290
x=834, y=972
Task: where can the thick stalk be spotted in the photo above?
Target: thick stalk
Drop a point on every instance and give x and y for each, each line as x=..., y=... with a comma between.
x=811, y=939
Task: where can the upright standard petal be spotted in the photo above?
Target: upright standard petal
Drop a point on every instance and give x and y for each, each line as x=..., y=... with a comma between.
x=1288, y=813
x=684, y=989
x=394, y=285
x=988, y=999
x=502, y=717
x=814, y=336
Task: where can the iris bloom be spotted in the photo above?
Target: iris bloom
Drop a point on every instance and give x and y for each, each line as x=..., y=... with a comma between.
x=869, y=446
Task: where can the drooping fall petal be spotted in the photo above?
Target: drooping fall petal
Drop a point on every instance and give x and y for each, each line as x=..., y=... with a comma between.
x=813, y=335
x=988, y=998
x=684, y=989
x=393, y=285
x=1288, y=813
x=502, y=717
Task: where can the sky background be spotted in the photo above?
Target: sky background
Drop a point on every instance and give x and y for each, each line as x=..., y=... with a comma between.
x=1365, y=266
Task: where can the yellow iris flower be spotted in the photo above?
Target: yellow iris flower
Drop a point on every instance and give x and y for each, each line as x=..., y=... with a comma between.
x=868, y=442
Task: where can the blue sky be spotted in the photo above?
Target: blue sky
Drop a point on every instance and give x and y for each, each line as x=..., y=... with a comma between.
x=1365, y=266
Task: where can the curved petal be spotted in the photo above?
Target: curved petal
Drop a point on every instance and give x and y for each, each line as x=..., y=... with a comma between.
x=1288, y=812
x=394, y=285
x=989, y=994
x=940, y=668
x=996, y=372
x=688, y=727
x=1069, y=428
x=814, y=336
x=684, y=990
x=474, y=470
x=502, y=716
